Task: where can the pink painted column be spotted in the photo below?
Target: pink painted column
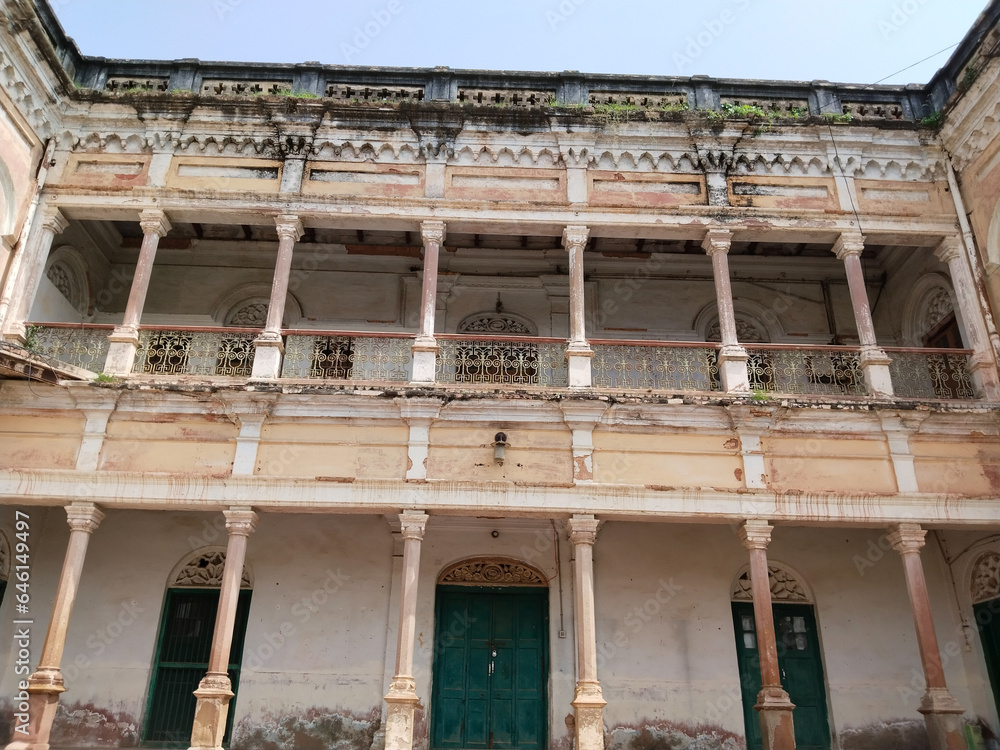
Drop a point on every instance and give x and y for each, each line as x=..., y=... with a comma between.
x=578, y=352
x=425, y=347
x=215, y=690
x=19, y=293
x=982, y=367
x=588, y=700
x=732, y=356
x=46, y=684
x=268, y=347
x=773, y=704
x=125, y=338
x=942, y=713
x=874, y=361
x=401, y=700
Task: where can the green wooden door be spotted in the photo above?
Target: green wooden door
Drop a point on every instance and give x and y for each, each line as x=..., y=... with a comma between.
x=490, y=669
x=182, y=652
x=801, y=672
x=988, y=622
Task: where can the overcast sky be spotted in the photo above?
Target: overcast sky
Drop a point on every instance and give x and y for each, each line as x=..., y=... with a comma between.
x=857, y=41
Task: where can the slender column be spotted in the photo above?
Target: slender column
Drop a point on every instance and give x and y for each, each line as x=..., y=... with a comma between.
x=125, y=338
x=402, y=698
x=942, y=713
x=268, y=347
x=773, y=704
x=425, y=346
x=874, y=361
x=215, y=689
x=588, y=701
x=732, y=356
x=982, y=368
x=578, y=352
x=21, y=291
x=45, y=685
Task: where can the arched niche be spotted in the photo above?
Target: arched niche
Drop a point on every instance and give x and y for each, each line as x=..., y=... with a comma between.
x=246, y=306
x=785, y=584
x=67, y=270
x=755, y=324
x=984, y=581
x=203, y=569
x=931, y=300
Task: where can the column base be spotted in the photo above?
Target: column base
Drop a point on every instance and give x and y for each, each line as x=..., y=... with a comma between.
x=580, y=371
x=588, y=705
x=875, y=366
x=267, y=354
x=17, y=333
x=401, y=705
x=424, y=362
x=733, y=369
x=214, y=693
x=984, y=377
x=775, y=709
x=121, y=351
x=44, y=688
x=944, y=720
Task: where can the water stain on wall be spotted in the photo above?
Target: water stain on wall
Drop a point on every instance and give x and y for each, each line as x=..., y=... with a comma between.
x=314, y=729
x=668, y=735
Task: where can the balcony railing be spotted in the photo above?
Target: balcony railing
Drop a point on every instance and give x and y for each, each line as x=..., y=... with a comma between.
x=194, y=351
x=332, y=355
x=815, y=371
x=81, y=346
x=657, y=366
x=502, y=360
x=931, y=373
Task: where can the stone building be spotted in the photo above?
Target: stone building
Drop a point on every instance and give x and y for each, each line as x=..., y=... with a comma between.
x=470, y=409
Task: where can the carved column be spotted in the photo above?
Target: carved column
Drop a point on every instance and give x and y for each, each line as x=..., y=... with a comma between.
x=981, y=365
x=45, y=685
x=20, y=292
x=942, y=713
x=215, y=689
x=268, y=347
x=578, y=352
x=425, y=347
x=125, y=338
x=773, y=703
x=732, y=357
x=401, y=700
x=588, y=701
x=874, y=361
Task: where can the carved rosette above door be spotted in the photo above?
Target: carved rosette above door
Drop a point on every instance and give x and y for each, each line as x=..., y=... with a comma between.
x=492, y=571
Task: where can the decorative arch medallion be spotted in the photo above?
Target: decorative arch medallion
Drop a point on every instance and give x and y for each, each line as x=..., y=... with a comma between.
x=497, y=324
x=67, y=270
x=985, y=583
x=785, y=586
x=492, y=571
x=204, y=570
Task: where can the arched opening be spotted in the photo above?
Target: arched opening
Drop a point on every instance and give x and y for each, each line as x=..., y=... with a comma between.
x=799, y=656
x=497, y=360
x=490, y=656
x=185, y=643
x=985, y=589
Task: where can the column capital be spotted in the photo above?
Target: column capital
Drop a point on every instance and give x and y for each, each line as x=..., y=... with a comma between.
x=906, y=537
x=84, y=517
x=755, y=533
x=54, y=220
x=849, y=244
x=717, y=240
x=575, y=236
x=289, y=225
x=154, y=221
x=433, y=231
x=240, y=520
x=949, y=249
x=583, y=529
x=413, y=524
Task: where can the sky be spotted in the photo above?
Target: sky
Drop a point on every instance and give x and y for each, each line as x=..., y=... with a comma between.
x=852, y=41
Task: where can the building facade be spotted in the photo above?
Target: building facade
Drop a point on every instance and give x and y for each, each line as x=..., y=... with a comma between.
x=401, y=408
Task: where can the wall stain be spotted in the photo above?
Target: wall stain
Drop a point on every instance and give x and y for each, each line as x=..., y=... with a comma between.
x=313, y=729
x=669, y=735
x=894, y=734
x=86, y=725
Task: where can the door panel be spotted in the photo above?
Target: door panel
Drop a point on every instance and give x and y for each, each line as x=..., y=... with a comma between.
x=988, y=620
x=490, y=674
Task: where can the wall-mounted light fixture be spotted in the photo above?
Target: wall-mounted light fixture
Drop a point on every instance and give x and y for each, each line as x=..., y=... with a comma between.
x=500, y=447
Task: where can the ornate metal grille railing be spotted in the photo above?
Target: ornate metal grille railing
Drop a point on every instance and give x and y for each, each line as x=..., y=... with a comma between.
x=931, y=373
x=203, y=351
x=85, y=347
x=348, y=356
x=657, y=366
x=502, y=360
x=819, y=370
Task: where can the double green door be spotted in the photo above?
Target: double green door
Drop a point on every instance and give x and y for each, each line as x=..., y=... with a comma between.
x=801, y=669
x=490, y=669
x=182, y=653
